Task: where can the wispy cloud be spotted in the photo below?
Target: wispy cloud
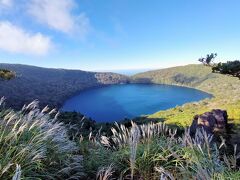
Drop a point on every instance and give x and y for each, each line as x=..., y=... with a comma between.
x=58, y=15
x=16, y=40
x=6, y=3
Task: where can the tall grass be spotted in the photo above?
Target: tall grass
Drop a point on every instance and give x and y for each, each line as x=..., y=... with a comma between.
x=36, y=144
x=17, y=175
x=154, y=151
x=121, y=135
x=105, y=173
x=133, y=142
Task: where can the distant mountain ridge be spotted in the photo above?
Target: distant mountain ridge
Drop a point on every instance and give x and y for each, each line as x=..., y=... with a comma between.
x=51, y=86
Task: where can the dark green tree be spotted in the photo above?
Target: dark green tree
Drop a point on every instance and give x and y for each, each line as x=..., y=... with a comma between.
x=208, y=60
x=231, y=68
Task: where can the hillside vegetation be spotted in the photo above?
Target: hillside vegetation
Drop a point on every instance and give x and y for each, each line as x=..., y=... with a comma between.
x=50, y=86
x=225, y=89
x=53, y=86
x=41, y=144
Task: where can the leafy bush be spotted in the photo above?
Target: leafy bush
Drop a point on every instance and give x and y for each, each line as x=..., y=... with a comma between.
x=230, y=68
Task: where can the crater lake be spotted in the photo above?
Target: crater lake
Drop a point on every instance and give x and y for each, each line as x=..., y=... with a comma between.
x=116, y=102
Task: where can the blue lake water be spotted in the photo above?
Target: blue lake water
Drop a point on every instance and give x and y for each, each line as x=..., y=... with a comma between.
x=116, y=102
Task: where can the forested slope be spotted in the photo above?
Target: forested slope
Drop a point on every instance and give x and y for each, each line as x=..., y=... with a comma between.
x=50, y=86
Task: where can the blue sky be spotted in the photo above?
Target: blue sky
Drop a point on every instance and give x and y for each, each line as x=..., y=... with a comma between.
x=117, y=34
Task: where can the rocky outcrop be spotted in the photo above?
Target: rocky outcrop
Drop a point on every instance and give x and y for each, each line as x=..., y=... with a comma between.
x=211, y=122
x=111, y=78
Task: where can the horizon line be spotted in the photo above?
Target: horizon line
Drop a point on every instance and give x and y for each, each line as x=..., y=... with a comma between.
x=101, y=70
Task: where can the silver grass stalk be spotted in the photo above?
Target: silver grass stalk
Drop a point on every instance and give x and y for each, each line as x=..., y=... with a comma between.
x=147, y=132
x=2, y=100
x=17, y=175
x=105, y=173
x=133, y=142
x=105, y=141
x=164, y=174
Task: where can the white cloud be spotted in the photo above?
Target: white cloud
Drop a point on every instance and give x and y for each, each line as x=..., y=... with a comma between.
x=57, y=14
x=16, y=40
x=6, y=3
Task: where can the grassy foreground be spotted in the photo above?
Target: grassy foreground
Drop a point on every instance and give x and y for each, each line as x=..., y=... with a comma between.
x=36, y=146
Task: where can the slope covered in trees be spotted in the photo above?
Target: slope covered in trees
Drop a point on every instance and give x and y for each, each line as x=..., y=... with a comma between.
x=50, y=86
